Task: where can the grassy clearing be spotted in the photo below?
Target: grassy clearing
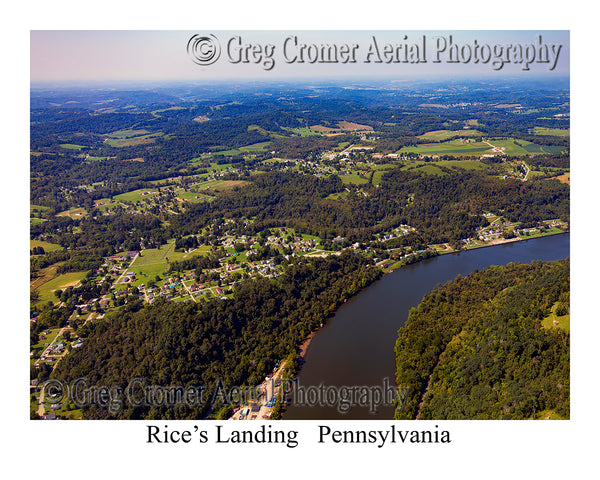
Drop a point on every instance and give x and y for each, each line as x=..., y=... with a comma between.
x=136, y=195
x=453, y=147
x=303, y=132
x=554, y=321
x=557, y=132
x=47, y=246
x=73, y=213
x=41, y=208
x=439, y=135
x=153, y=262
x=221, y=185
x=192, y=197
x=566, y=178
x=61, y=281
x=156, y=112
x=255, y=147
x=133, y=141
x=71, y=146
x=353, y=178
x=127, y=133
x=430, y=169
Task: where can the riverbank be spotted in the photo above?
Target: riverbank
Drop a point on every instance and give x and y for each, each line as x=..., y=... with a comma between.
x=303, y=349
x=491, y=243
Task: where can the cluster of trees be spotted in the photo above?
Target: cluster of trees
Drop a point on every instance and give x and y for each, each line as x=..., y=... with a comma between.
x=475, y=348
x=235, y=341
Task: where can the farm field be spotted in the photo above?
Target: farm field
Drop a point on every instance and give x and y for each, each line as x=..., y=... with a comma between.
x=61, y=281
x=221, y=185
x=73, y=213
x=136, y=195
x=161, y=110
x=133, y=141
x=566, y=178
x=559, y=132
x=453, y=147
x=508, y=146
x=439, y=135
x=256, y=147
x=153, y=262
x=353, y=178
x=47, y=246
x=71, y=146
x=303, y=132
x=127, y=133
x=192, y=197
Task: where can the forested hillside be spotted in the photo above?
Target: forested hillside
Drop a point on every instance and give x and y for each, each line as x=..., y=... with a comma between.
x=477, y=347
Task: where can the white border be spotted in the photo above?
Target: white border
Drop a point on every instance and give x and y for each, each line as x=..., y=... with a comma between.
x=479, y=449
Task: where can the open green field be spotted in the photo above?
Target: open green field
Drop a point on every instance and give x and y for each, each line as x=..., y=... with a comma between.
x=431, y=168
x=47, y=246
x=453, y=147
x=156, y=112
x=554, y=321
x=439, y=135
x=136, y=195
x=255, y=147
x=153, y=262
x=303, y=132
x=508, y=146
x=127, y=133
x=71, y=146
x=59, y=282
x=558, y=132
x=133, y=141
x=220, y=185
x=73, y=213
x=353, y=178
x=192, y=197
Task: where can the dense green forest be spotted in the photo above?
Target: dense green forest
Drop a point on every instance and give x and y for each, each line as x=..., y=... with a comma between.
x=475, y=347
x=236, y=341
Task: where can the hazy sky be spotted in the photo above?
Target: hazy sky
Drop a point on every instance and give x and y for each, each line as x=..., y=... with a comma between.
x=59, y=56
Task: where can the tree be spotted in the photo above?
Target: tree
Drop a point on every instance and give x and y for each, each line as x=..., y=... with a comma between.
x=277, y=410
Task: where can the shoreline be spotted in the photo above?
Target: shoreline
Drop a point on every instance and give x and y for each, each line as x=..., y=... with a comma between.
x=493, y=243
x=304, y=346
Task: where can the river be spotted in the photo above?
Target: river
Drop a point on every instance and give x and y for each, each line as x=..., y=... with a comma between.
x=356, y=345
